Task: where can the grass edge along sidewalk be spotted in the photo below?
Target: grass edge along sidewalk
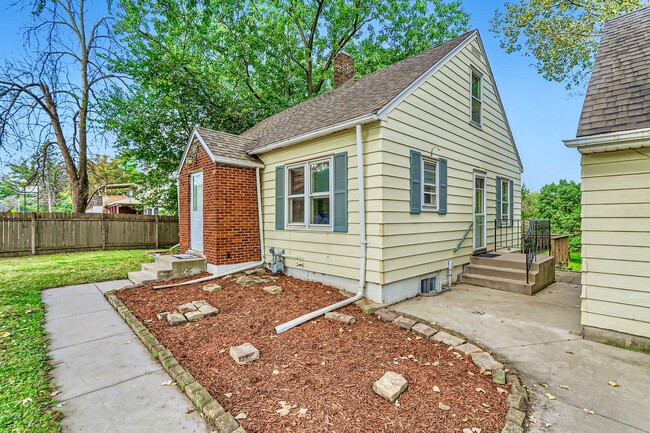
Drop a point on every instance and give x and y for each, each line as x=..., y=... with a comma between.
x=25, y=391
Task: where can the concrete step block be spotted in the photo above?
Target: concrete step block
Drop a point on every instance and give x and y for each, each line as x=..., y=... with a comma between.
x=504, y=284
x=501, y=272
x=142, y=277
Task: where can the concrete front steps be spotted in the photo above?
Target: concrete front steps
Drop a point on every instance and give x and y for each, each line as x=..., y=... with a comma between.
x=166, y=267
x=507, y=272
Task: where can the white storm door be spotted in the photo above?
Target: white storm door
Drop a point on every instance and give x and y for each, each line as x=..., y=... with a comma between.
x=480, y=213
x=196, y=212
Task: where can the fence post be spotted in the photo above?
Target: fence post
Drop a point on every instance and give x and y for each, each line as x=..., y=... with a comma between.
x=33, y=227
x=103, y=231
x=156, y=231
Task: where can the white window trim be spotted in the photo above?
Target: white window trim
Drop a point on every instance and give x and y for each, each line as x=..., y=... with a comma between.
x=473, y=71
x=505, y=222
x=307, y=196
x=426, y=207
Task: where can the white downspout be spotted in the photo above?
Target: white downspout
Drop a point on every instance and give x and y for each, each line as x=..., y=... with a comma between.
x=363, y=243
x=243, y=268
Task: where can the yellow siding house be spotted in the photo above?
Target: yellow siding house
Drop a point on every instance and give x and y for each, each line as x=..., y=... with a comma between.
x=390, y=182
x=614, y=140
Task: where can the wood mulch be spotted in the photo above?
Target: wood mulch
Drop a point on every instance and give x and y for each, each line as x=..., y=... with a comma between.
x=323, y=366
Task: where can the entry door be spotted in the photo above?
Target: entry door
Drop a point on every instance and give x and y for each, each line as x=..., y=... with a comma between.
x=480, y=216
x=196, y=212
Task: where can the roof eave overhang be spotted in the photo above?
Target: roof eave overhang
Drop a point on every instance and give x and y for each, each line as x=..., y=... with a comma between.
x=315, y=134
x=611, y=141
x=217, y=159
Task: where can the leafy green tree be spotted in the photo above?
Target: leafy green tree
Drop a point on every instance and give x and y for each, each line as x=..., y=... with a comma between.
x=226, y=64
x=561, y=203
x=529, y=203
x=560, y=35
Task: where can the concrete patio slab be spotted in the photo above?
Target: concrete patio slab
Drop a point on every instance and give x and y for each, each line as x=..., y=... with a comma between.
x=73, y=330
x=107, y=286
x=108, y=381
x=136, y=412
x=540, y=336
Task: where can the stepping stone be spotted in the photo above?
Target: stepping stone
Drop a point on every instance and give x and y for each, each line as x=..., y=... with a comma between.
x=448, y=339
x=194, y=316
x=273, y=290
x=424, y=330
x=512, y=428
x=175, y=319
x=185, y=308
x=208, y=310
x=212, y=288
x=485, y=361
x=386, y=315
x=163, y=315
x=348, y=320
x=390, y=386
x=515, y=400
x=499, y=377
x=199, y=304
x=404, y=322
x=244, y=354
x=468, y=348
x=245, y=280
x=516, y=416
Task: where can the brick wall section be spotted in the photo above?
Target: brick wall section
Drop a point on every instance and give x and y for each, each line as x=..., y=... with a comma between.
x=230, y=216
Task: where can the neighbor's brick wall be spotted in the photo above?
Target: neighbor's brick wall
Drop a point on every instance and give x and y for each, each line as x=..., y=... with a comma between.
x=230, y=217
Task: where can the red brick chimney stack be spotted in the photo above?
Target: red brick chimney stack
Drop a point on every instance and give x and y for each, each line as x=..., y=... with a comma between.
x=343, y=69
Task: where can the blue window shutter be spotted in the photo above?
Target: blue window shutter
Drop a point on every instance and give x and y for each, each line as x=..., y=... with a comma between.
x=498, y=201
x=416, y=182
x=341, y=192
x=442, y=186
x=279, y=198
x=512, y=201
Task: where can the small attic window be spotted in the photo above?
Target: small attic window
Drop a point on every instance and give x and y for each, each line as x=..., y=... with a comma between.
x=476, y=100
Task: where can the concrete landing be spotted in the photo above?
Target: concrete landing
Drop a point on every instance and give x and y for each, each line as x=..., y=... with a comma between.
x=108, y=380
x=539, y=335
x=166, y=267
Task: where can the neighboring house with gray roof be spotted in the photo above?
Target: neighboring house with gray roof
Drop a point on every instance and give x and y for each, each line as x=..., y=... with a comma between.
x=614, y=140
x=427, y=136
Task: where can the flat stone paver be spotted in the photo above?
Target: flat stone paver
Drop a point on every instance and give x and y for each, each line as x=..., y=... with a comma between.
x=540, y=337
x=108, y=380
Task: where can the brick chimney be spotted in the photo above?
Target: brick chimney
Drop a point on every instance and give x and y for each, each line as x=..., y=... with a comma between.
x=343, y=69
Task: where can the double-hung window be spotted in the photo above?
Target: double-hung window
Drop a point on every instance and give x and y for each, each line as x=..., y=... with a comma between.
x=505, y=202
x=476, y=98
x=429, y=184
x=309, y=194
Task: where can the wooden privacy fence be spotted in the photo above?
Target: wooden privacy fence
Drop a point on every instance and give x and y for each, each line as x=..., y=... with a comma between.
x=47, y=233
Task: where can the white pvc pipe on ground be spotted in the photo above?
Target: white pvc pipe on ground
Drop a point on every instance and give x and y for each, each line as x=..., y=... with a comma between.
x=363, y=244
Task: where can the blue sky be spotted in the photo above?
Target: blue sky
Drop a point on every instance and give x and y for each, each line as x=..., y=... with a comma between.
x=541, y=114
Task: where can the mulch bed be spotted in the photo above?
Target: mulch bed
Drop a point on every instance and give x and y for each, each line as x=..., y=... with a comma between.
x=324, y=366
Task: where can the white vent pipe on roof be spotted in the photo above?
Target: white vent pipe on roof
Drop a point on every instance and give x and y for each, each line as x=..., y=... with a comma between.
x=363, y=244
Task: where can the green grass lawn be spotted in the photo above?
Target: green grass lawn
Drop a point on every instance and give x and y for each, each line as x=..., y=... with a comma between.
x=575, y=262
x=25, y=389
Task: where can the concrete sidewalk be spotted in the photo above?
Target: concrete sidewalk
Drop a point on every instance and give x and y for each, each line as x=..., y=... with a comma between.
x=540, y=337
x=108, y=380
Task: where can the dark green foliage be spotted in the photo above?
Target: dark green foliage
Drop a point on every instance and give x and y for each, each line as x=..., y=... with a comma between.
x=560, y=202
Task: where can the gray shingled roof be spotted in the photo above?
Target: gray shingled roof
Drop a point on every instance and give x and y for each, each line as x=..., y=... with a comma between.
x=618, y=97
x=227, y=145
x=354, y=99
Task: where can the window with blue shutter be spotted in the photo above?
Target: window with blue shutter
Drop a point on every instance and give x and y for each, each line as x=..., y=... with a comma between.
x=498, y=201
x=512, y=201
x=416, y=182
x=442, y=188
x=279, y=198
x=341, y=192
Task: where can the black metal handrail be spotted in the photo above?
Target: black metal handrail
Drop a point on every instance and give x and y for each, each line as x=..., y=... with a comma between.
x=536, y=240
x=529, y=236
